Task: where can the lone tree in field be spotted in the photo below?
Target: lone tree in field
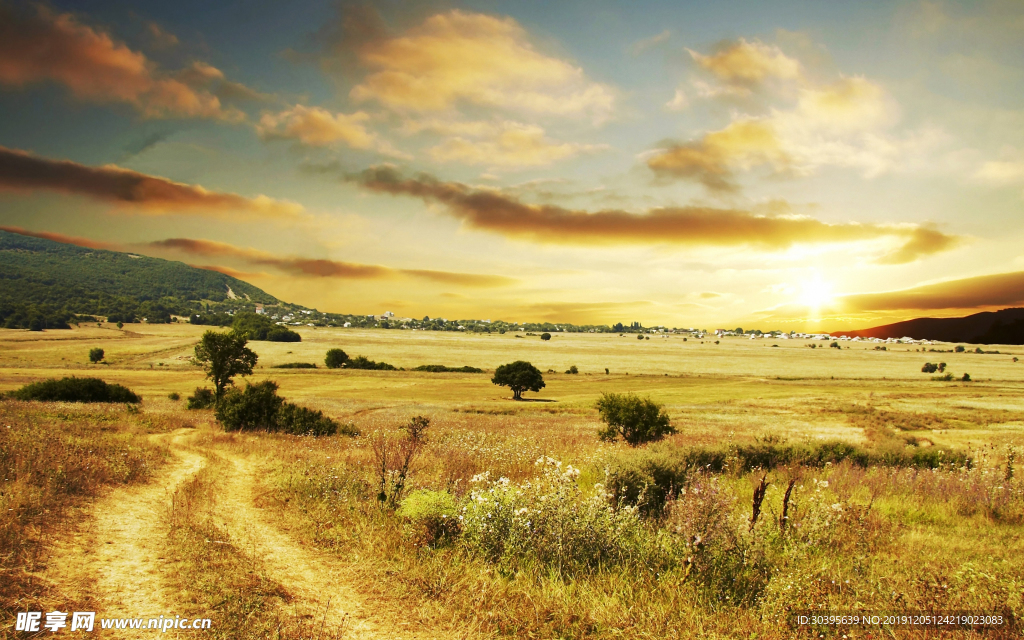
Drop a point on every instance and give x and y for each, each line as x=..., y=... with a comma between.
x=637, y=420
x=545, y=336
x=519, y=376
x=336, y=358
x=95, y=355
x=224, y=356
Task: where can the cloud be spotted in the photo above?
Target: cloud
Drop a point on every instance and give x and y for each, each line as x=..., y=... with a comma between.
x=22, y=171
x=678, y=101
x=924, y=241
x=997, y=290
x=713, y=159
x=159, y=38
x=840, y=124
x=492, y=210
x=322, y=268
x=316, y=127
x=648, y=43
x=228, y=271
x=748, y=63
x=510, y=144
x=470, y=58
x=1000, y=173
x=41, y=45
x=64, y=239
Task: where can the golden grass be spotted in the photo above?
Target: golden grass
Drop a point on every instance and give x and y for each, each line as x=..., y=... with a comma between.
x=920, y=532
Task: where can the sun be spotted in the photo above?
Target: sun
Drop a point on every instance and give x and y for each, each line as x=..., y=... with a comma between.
x=815, y=293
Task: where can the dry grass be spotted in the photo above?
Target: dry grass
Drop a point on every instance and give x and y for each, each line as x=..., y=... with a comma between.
x=899, y=539
x=54, y=458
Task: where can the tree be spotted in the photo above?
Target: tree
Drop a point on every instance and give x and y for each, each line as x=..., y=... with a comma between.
x=573, y=369
x=519, y=376
x=336, y=358
x=636, y=419
x=224, y=356
x=545, y=336
x=254, y=409
x=95, y=355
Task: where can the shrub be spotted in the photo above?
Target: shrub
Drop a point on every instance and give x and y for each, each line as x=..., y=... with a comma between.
x=95, y=355
x=929, y=368
x=433, y=515
x=335, y=359
x=362, y=362
x=519, y=376
x=301, y=421
x=966, y=378
x=295, y=365
x=959, y=348
x=203, y=398
x=174, y=395
x=75, y=390
x=550, y=522
x=573, y=370
x=283, y=334
x=639, y=337
x=636, y=419
x=254, y=409
x=545, y=336
x=440, y=368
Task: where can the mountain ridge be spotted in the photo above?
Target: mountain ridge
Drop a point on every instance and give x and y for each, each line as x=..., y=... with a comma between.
x=988, y=327
x=46, y=283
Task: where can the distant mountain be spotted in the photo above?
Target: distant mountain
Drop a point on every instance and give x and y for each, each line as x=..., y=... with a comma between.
x=989, y=327
x=43, y=284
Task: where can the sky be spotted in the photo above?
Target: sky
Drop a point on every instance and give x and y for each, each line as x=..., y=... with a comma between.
x=793, y=165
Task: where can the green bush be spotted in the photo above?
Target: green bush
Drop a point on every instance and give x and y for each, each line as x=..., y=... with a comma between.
x=95, y=355
x=929, y=368
x=253, y=326
x=295, y=365
x=440, y=368
x=335, y=359
x=362, y=362
x=636, y=419
x=254, y=409
x=75, y=390
x=545, y=336
x=174, y=395
x=203, y=398
x=573, y=370
x=301, y=421
x=434, y=516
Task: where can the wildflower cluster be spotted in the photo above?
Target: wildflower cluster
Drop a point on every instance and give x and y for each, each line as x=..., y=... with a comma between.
x=550, y=521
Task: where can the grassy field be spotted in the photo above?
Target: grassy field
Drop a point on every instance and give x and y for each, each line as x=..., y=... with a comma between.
x=888, y=537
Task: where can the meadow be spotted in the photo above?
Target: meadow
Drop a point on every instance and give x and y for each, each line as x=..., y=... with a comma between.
x=546, y=544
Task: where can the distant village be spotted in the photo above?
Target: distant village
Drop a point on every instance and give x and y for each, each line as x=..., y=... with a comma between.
x=294, y=315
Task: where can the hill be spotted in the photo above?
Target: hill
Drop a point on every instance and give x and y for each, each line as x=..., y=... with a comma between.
x=44, y=284
x=989, y=327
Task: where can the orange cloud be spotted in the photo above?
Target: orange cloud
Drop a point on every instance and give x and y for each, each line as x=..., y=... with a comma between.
x=461, y=57
x=509, y=144
x=63, y=239
x=317, y=127
x=323, y=268
x=713, y=160
x=22, y=171
x=997, y=290
x=492, y=210
x=745, y=62
x=42, y=45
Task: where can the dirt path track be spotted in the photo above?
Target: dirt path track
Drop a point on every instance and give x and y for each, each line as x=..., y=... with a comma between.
x=119, y=549
x=316, y=580
x=114, y=558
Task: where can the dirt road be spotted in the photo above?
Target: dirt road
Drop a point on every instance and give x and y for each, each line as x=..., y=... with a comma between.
x=117, y=552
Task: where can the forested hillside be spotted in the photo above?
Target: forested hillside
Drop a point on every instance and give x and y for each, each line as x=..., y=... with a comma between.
x=44, y=284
